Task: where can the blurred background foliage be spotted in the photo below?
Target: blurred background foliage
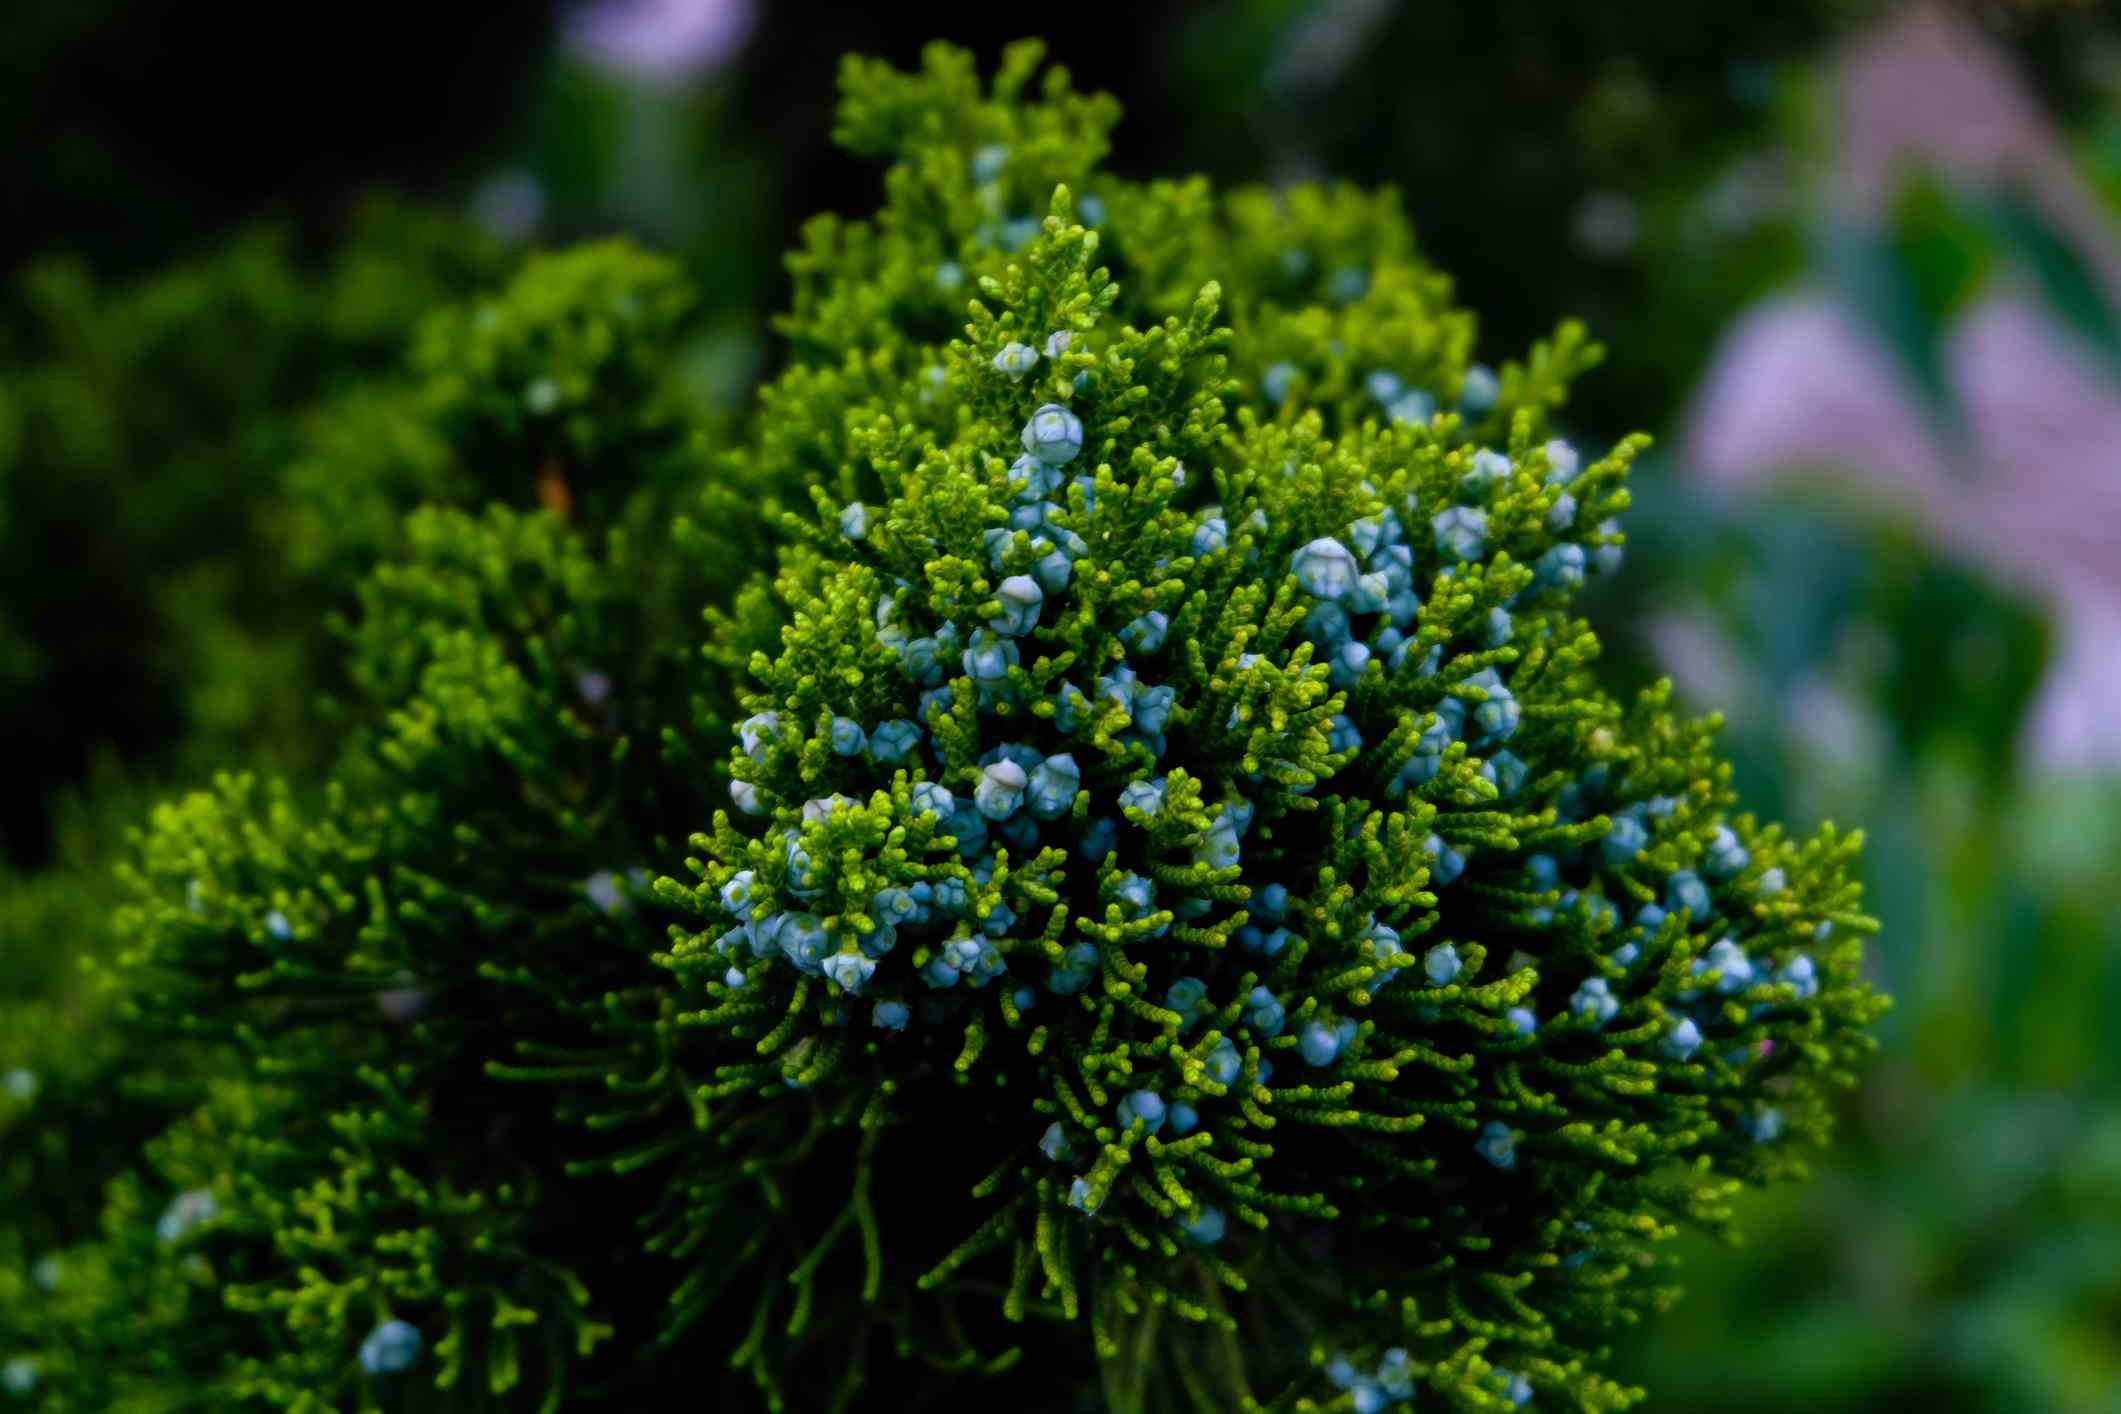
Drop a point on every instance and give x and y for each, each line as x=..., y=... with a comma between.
x=1857, y=263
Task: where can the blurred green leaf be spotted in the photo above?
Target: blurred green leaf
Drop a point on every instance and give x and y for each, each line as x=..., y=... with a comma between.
x=1905, y=282
x=2068, y=287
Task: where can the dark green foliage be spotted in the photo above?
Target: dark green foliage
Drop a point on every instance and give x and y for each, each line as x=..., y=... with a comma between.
x=145, y=603
x=485, y=1048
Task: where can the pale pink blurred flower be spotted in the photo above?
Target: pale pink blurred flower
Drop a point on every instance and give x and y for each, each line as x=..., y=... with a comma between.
x=1926, y=88
x=2035, y=495
x=668, y=42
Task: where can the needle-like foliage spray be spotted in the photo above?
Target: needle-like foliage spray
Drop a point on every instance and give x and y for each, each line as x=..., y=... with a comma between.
x=1169, y=905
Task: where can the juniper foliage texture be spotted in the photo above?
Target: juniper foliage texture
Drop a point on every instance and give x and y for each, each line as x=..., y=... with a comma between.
x=1168, y=905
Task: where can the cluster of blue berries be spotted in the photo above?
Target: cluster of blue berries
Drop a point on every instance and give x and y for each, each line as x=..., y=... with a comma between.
x=1392, y=1382
x=1243, y=826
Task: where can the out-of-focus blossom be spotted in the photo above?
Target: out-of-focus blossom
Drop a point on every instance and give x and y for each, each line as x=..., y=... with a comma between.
x=1925, y=87
x=2034, y=494
x=668, y=42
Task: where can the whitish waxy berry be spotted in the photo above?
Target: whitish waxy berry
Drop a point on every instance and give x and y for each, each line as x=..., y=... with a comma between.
x=1498, y=1145
x=848, y=738
x=1489, y=470
x=1498, y=716
x=1146, y=634
x=1594, y=1002
x=20, y=1374
x=1020, y=598
x=1562, y=462
x=1441, y=964
x=1015, y=360
x=1206, y=1227
x=1561, y=566
x=854, y=521
x=1728, y=960
x=1624, y=841
x=390, y=1349
x=1054, y=435
x=851, y=971
x=1724, y=856
x=1220, y=848
x=1000, y=790
x=1683, y=1039
x=1461, y=533
x=1414, y=407
x=1346, y=736
x=1477, y=393
x=989, y=659
x=1347, y=663
x=1799, y=973
x=890, y=1016
x=894, y=741
x=1186, y=996
x=1264, y=1013
x=1327, y=623
x=1684, y=890
x=804, y=942
x=21, y=1084
x=1325, y=568
x=736, y=894
x=1506, y=770
x=1054, y=1144
x=1052, y=786
x=1145, y=1106
x=1318, y=1043
x=755, y=732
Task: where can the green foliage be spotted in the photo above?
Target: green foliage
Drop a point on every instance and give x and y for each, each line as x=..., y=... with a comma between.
x=1254, y=676
x=143, y=431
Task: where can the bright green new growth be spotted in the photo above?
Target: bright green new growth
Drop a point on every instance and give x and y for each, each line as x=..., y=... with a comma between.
x=1484, y=1195
x=1084, y=880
